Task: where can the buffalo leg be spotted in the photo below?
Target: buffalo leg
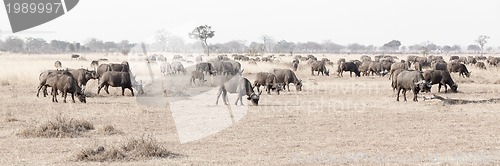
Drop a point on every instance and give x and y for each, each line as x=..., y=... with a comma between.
x=399, y=91
x=439, y=88
x=99, y=89
x=415, y=96
x=54, y=96
x=404, y=94
x=73, y=97
x=106, y=89
x=64, y=94
x=123, y=91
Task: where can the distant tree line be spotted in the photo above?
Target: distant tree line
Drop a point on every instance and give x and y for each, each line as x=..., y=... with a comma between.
x=172, y=43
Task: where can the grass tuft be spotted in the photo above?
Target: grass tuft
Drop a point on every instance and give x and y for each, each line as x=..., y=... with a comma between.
x=59, y=127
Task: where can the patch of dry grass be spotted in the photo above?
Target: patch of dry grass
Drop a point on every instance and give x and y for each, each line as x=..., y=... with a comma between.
x=134, y=149
x=59, y=127
x=110, y=130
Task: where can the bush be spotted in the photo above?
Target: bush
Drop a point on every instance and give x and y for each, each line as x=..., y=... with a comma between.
x=134, y=149
x=60, y=127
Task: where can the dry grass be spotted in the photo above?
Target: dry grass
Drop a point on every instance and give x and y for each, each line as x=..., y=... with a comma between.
x=59, y=127
x=110, y=130
x=134, y=149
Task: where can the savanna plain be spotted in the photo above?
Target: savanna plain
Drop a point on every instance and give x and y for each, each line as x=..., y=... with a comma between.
x=333, y=120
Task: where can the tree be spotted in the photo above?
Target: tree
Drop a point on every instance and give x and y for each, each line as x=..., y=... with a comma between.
x=268, y=43
x=202, y=33
x=13, y=44
x=456, y=48
x=355, y=47
x=125, y=47
x=95, y=45
x=162, y=37
x=481, y=40
x=59, y=46
x=331, y=47
x=392, y=45
x=71, y=47
x=36, y=45
x=446, y=49
x=474, y=48
x=77, y=47
x=285, y=47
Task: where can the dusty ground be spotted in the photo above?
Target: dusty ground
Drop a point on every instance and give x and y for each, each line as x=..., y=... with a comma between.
x=332, y=121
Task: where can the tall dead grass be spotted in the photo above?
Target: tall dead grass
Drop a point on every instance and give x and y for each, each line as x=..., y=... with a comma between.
x=134, y=149
x=59, y=127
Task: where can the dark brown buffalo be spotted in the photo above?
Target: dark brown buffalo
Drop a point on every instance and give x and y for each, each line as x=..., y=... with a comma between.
x=115, y=79
x=268, y=80
x=320, y=67
x=43, y=80
x=481, y=65
x=66, y=84
x=440, y=77
x=348, y=66
x=287, y=76
x=459, y=68
x=82, y=76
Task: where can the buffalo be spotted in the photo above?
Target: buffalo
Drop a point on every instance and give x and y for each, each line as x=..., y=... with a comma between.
x=205, y=67
x=459, y=68
x=348, y=66
x=66, y=84
x=268, y=80
x=440, y=77
x=320, y=67
x=411, y=80
x=241, y=86
x=115, y=79
x=287, y=76
x=177, y=67
x=197, y=75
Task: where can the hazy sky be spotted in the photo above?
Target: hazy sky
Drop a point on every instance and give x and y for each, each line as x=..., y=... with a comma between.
x=348, y=21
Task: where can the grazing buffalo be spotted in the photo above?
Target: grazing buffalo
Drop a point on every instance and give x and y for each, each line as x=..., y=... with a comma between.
x=395, y=78
x=396, y=66
x=417, y=66
x=411, y=80
x=43, y=80
x=102, y=69
x=459, y=68
x=287, y=76
x=66, y=84
x=440, y=77
x=75, y=56
x=58, y=65
x=348, y=66
x=197, y=75
x=268, y=80
x=177, y=67
x=82, y=76
x=364, y=68
x=206, y=67
x=241, y=86
x=124, y=67
x=439, y=66
x=166, y=69
x=295, y=64
x=115, y=79
x=320, y=67
x=227, y=68
x=481, y=65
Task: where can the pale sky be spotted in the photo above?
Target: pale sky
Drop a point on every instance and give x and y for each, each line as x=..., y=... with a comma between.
x=443, y=22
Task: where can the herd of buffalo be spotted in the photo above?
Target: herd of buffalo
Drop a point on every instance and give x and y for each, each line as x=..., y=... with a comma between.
x=405, y=75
